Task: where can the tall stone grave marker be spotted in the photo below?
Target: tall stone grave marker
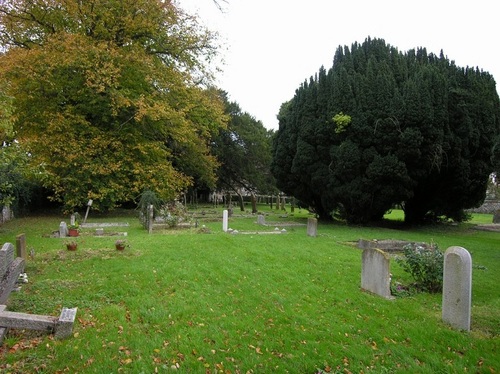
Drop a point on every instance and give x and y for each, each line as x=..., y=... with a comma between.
x=21, y=246
x=375, y=272
x=225, y=215
x=312, y=227
x=457, y=288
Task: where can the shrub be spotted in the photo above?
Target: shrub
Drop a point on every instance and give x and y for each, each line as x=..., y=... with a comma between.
x=425, y=265
x=173, y=213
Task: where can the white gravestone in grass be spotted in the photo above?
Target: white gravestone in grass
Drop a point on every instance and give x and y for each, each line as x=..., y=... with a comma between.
x=225, y=215
x=457, y=288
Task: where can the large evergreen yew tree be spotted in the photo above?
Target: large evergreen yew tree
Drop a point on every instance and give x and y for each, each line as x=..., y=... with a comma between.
x=383, y=127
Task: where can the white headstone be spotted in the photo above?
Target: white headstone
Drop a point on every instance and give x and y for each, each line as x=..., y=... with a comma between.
x=63, y=230
x=72, y=220
x=457, y=288
x=225, y=215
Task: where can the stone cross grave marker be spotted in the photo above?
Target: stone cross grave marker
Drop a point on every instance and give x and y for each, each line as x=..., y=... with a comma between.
x=312, y=227
x=375, y=272
x=457, y=288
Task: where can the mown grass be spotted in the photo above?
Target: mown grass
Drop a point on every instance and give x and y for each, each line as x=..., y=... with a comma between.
x=195, y=302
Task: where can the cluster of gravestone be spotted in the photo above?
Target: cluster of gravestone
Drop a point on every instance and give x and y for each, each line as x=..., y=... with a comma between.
x=12, y=265
x=457, y=282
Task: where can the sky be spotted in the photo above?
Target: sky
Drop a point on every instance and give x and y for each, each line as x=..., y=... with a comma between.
x=272, y=46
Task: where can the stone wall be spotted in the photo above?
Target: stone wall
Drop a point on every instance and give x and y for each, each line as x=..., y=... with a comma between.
x=489, y=207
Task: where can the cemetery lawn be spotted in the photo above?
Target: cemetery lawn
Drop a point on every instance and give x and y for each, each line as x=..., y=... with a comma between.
x=204, y=301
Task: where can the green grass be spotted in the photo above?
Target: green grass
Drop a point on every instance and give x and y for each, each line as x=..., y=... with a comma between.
x=192, y=302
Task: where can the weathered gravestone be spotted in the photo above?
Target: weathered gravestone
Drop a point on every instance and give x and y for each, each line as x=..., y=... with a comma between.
x=261, y=220
x=496, y=216
x=312, y=227
x=457, y=288
x=63, y=230
x=225, y=223
x=21, y=246
x=375, y=272
x=10, y=269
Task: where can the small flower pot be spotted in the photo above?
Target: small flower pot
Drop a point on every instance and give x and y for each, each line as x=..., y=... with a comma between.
x=120, y=247
x=73, y=232
x=72, y=246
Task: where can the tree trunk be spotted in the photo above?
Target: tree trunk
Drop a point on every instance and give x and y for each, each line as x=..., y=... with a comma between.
x=254, y=204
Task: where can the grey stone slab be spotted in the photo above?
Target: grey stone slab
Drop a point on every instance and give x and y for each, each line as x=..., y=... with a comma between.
x=64, y=325
x=9, y=278
x=17, y=320
x=312, y=227
x=375, y=272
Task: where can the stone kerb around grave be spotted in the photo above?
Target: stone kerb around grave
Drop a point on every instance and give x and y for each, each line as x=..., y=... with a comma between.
x=457, y=288
x=375, y=272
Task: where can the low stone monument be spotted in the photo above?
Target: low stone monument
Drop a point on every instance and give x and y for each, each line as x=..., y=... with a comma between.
x=457, y=288
x=312, y=227
x=375, y=272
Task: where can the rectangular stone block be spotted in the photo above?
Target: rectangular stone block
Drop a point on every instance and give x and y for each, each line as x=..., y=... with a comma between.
x=27, y=321
x=64, y=325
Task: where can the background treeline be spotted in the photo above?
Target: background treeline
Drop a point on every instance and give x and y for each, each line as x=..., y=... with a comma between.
x=382, y=127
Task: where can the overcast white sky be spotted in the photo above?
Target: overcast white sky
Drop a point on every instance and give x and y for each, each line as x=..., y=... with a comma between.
x=274, y=45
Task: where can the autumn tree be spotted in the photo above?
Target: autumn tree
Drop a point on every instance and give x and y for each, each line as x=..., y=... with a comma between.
x=381, y=128
x=112, y=97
